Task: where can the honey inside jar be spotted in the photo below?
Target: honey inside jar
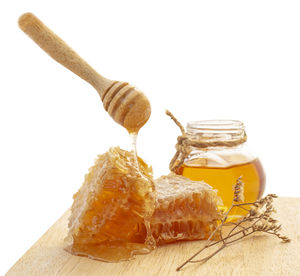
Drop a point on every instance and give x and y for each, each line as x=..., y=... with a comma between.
x=223, y=179
x=223, y=158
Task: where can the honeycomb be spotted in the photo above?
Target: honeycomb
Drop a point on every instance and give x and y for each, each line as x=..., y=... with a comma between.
x=120, y=211
x=184, y=210
x=116, y=196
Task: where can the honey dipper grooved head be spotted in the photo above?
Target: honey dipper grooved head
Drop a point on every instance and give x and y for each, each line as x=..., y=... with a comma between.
x=132, y=110
x=126, y=105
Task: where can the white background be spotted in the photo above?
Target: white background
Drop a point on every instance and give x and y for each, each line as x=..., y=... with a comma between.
x=201, y=60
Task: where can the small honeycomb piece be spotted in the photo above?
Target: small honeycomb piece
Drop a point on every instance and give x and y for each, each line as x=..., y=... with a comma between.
x=116, y=196
x=184, y=210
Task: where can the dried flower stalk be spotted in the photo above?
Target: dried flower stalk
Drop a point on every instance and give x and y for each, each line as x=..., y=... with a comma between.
x=258, y=219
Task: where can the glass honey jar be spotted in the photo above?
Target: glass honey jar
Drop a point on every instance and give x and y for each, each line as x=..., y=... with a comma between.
x=215, y=151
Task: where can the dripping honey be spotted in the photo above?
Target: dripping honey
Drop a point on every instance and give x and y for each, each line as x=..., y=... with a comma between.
x=133, y=138
x=223, y=179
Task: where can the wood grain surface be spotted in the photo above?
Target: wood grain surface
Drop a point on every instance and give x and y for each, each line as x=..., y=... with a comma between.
x=256, y=255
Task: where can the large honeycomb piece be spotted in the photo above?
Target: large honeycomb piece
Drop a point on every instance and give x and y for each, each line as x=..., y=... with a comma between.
x=114, y=199
x=120, y=211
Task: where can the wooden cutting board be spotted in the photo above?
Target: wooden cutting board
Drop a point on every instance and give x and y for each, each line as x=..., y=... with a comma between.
x=256, y=255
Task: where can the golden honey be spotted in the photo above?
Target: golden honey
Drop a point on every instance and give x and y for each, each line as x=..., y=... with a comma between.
x=224, y=178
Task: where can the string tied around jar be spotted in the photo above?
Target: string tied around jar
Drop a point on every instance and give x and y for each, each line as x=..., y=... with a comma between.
x=186, y=143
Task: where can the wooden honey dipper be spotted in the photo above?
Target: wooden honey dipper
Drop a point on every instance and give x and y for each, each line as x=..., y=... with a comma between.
x=125, y=104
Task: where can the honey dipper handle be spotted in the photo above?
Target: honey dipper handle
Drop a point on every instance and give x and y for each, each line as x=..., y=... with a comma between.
x=61, y=52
